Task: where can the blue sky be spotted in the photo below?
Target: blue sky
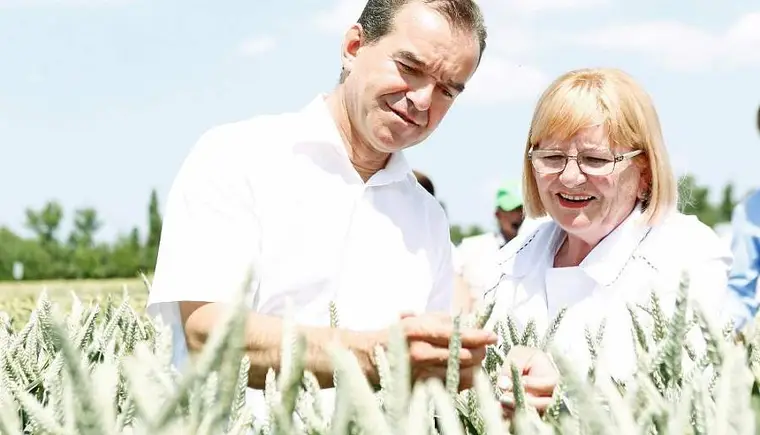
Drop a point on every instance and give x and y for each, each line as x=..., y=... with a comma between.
x=100, y=100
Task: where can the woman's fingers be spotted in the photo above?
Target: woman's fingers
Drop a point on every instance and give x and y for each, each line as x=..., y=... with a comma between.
x=540, y=403
x=540, y=385
x=536, y=385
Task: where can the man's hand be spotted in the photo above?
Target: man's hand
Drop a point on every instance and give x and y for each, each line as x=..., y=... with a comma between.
x=539, y=379
x=428, y=337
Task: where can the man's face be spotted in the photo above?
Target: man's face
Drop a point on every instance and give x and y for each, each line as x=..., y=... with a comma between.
x=509, y=222
x=400, y=87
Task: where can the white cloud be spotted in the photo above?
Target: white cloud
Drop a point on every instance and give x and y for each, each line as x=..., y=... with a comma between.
x=742, y=41
x=339, y=17
x=257, y=45
x=499, y=80
x=679, y=161
x=534, y=6
x=680, y=46
x=61, y=3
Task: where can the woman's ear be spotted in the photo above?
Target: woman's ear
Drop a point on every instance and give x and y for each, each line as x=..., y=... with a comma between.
x=352, y=43
x=645, y=183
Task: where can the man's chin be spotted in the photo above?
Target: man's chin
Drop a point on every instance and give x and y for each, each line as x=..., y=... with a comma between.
x=393, y=142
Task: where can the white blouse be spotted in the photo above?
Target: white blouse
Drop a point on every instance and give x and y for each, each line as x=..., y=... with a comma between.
x=622, y=269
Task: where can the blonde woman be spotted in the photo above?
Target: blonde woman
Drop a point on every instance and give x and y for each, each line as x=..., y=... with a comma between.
x=596, y=163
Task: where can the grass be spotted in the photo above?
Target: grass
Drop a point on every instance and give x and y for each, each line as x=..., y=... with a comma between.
x=18, y=299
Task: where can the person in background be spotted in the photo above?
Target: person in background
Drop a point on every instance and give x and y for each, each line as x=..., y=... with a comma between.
x=596, y=162
x=509, y=212
x=425, y=182
x=475, y=255
x=745, y=245
x=348, y=225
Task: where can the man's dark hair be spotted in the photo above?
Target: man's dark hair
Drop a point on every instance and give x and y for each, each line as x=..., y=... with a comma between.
x=377, y=18
x=425, y=182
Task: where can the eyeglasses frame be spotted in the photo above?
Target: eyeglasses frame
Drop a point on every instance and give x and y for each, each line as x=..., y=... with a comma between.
x=616, y=158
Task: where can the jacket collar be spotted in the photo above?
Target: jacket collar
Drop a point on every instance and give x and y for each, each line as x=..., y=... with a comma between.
x=603, y=264
x=608, y=258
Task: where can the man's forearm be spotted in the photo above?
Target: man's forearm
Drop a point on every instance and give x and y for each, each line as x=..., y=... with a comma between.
x=263, y=337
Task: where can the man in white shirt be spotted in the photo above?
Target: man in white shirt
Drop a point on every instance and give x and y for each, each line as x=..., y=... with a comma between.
x=321, y=206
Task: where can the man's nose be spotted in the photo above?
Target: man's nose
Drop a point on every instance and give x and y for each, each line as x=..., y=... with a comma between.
x=422, y=96
x=572, y=175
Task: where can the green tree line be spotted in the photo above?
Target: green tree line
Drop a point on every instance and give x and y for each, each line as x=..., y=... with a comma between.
x=695, y=200
x=49, y=254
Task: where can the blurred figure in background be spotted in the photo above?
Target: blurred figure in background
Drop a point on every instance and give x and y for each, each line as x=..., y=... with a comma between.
x=508, y=213
x=745, y=245
x=476, y=254
x=425, y=182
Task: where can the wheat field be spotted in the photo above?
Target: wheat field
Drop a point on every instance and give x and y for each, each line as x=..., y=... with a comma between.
x=18, y=299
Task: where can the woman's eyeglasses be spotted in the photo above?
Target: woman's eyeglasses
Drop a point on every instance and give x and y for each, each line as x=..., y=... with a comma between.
x=595, y=162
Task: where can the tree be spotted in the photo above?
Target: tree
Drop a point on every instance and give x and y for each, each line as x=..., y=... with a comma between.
x=45, y=222
x=458, y=233
x=154, y=220
x=45, y=256
x=154, y=232
x=37, y=261
x=695, y=200
x=134, y=239
x=126, y=255
x=86, y=224
x=727, y=203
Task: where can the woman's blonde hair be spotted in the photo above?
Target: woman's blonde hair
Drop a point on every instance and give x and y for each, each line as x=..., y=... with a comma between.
x=610, y=97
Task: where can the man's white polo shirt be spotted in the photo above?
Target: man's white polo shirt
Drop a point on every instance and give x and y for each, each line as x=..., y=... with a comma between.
x=278, y=194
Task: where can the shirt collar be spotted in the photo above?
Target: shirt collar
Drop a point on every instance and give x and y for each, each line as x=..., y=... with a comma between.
x=603, y=264
x=324, y=129
x=608, y=258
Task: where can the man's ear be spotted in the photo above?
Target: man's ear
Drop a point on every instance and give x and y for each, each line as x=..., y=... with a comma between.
x=353, y=41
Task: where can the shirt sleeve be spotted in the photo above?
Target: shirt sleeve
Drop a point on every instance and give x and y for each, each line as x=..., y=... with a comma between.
x=745, y=246
x=210, y=236
x=442, y=294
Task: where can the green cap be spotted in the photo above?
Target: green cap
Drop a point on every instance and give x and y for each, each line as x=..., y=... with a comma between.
x=509, y=196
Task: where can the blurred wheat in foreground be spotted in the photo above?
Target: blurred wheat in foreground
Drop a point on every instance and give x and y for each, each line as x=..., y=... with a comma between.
x=104, y=369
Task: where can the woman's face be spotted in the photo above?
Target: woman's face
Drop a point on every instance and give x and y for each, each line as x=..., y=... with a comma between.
x=589, y=206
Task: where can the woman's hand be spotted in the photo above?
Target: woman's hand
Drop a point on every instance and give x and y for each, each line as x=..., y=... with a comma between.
x=539, y=379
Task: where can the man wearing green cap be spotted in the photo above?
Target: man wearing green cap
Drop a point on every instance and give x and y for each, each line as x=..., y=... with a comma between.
x=509, y=211
x=476, y=254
